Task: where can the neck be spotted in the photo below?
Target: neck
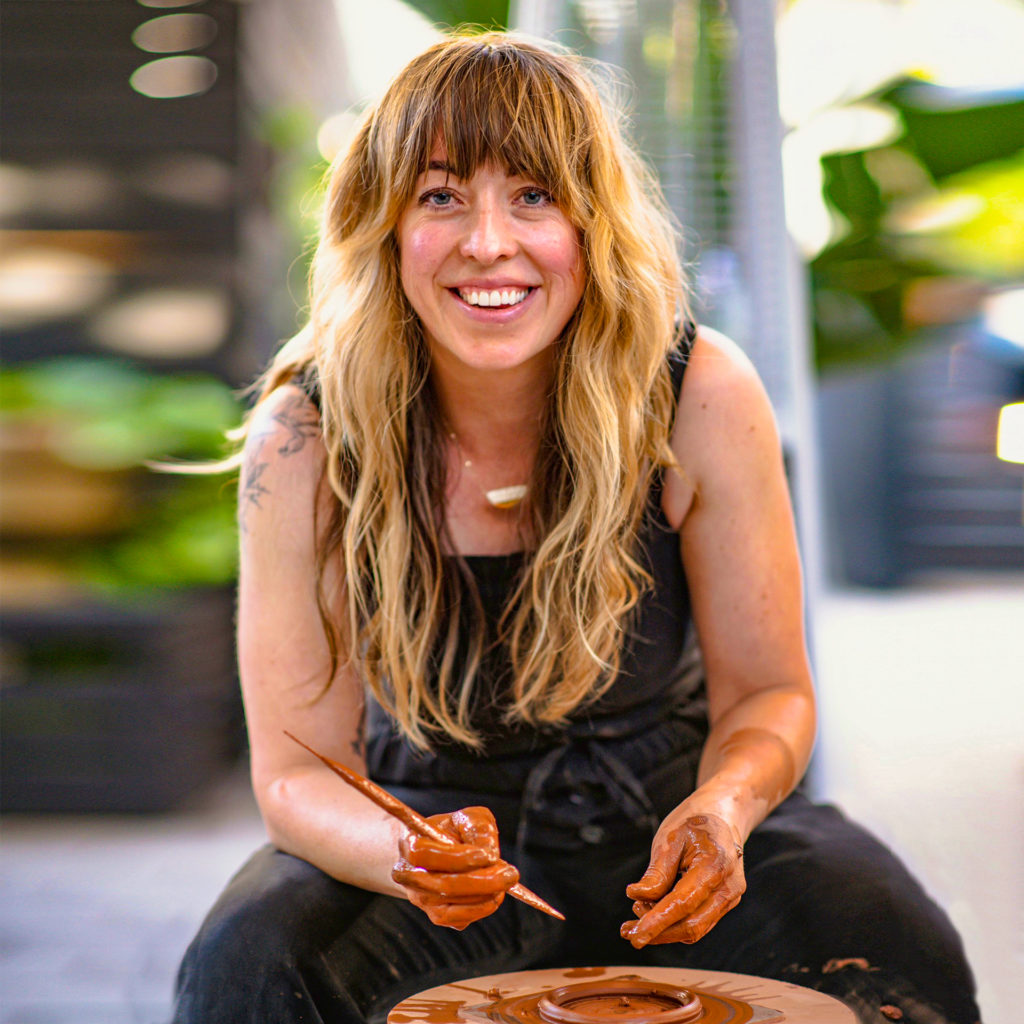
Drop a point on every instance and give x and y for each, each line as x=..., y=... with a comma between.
x=497, y=414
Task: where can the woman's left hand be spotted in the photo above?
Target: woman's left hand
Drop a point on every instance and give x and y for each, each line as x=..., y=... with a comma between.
x=695, y=877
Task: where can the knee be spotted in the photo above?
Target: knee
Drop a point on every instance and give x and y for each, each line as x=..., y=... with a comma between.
x=248, y=953
x=853, y=898
x=260, y=916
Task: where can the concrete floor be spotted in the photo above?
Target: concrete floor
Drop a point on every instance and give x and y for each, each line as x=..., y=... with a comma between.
x=922, y=696
x=922, y=740
x=97, y=910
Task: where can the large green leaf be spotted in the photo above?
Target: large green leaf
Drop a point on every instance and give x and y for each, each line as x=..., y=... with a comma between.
x=451, y=13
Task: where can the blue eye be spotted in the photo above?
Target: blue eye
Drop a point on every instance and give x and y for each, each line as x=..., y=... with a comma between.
x=438, y=197
x=536, y=197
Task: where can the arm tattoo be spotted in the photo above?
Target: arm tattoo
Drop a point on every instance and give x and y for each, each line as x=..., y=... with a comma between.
x=302, y=422
x=300, y=419
x=251, y=491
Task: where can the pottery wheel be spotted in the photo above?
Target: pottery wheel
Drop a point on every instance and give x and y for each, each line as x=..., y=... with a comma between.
x=620, y=995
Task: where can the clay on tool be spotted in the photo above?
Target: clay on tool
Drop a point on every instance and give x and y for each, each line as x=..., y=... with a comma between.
x=413, y=821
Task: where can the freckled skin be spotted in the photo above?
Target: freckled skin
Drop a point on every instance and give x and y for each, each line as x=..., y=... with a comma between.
x=695, y=878
x=775, y=786
x=458, y=884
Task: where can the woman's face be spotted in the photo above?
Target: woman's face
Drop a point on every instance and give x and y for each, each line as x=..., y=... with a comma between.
x=490, y=264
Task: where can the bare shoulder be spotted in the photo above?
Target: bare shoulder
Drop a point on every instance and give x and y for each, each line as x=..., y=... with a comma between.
x=283, y=456
x=720, y=380
x=724, y=423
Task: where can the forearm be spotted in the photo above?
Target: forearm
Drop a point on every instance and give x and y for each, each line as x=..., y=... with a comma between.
x=313, y=815
x=754, y=756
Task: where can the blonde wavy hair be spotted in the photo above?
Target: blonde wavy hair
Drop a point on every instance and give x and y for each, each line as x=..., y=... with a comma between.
x=536, y=111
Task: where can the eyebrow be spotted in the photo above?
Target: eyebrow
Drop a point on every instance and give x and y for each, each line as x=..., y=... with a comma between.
x=440, y=165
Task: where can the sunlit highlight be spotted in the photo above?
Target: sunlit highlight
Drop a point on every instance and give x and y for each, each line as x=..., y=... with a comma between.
x=336, y=133
x=165, y=323
x=173, y=33
x=39, y=284
x=1004, y=315
x=1010, y=433
x=174, y=77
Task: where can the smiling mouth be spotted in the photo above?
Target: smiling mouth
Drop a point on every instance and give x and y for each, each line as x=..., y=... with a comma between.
x=497, y=298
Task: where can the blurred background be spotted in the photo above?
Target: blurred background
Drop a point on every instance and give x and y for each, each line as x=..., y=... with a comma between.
x=850, y=178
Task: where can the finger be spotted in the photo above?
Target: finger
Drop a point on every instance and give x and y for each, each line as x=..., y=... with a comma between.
x=463, y=886
x=662, y=870
x=443, y=822
x=434, y=856
x=459, y=916
x=695, y=887
x=672, y=853
x=696, y=926
x=702, y=920
x=640, y=907
x=476, y=825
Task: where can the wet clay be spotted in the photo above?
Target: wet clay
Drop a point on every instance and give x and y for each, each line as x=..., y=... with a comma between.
x=657, y=996
x=624, y=1000
x=595, y=1007
x=603, y=1004
x=704, y=855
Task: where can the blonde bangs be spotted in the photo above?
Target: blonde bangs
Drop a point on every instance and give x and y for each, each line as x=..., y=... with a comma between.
x=486, y=99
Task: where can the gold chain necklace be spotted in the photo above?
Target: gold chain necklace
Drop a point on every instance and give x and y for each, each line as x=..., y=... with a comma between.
x=498, y=497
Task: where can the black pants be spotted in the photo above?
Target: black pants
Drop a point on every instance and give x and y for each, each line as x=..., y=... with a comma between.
x=285, y=943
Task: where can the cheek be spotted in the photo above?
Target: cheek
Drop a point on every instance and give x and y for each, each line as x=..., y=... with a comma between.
x=564, y=255
x=420, y=254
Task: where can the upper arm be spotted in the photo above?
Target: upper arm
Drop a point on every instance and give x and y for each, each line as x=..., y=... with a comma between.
x=284, y=656
x=732, y=508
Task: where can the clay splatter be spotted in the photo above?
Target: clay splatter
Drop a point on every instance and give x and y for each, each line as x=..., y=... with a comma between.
x=831, y=966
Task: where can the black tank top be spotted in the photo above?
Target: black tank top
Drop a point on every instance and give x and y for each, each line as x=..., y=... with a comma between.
x=654, y=713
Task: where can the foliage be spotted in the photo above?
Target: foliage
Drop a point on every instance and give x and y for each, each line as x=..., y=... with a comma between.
x=939, y=205
x=111, y=417
x=111, y=414
x=451, y=13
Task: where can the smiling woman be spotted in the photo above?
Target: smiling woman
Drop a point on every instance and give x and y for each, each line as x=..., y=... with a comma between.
x=483, y=522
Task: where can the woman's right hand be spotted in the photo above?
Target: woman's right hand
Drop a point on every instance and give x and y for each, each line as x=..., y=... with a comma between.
x=458, y=884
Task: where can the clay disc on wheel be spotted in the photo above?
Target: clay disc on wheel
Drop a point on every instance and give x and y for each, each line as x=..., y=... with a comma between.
x=620, y=995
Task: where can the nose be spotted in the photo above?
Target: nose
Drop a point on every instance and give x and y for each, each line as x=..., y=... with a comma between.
x=490, y=235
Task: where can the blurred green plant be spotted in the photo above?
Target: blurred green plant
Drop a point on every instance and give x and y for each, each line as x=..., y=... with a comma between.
x=114, y=415
x=105, y=416
x=295, y=186
x=941, y=206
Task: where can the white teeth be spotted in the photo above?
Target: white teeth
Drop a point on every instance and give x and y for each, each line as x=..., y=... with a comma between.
x=506, y=297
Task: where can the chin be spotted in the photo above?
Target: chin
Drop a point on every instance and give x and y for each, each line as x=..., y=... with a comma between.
x=496, y=355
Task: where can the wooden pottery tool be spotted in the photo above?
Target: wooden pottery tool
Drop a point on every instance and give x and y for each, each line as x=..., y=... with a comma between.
x=414, y=821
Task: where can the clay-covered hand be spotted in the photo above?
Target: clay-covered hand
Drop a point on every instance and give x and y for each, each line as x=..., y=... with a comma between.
x=695, y=877
x=458, y=884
